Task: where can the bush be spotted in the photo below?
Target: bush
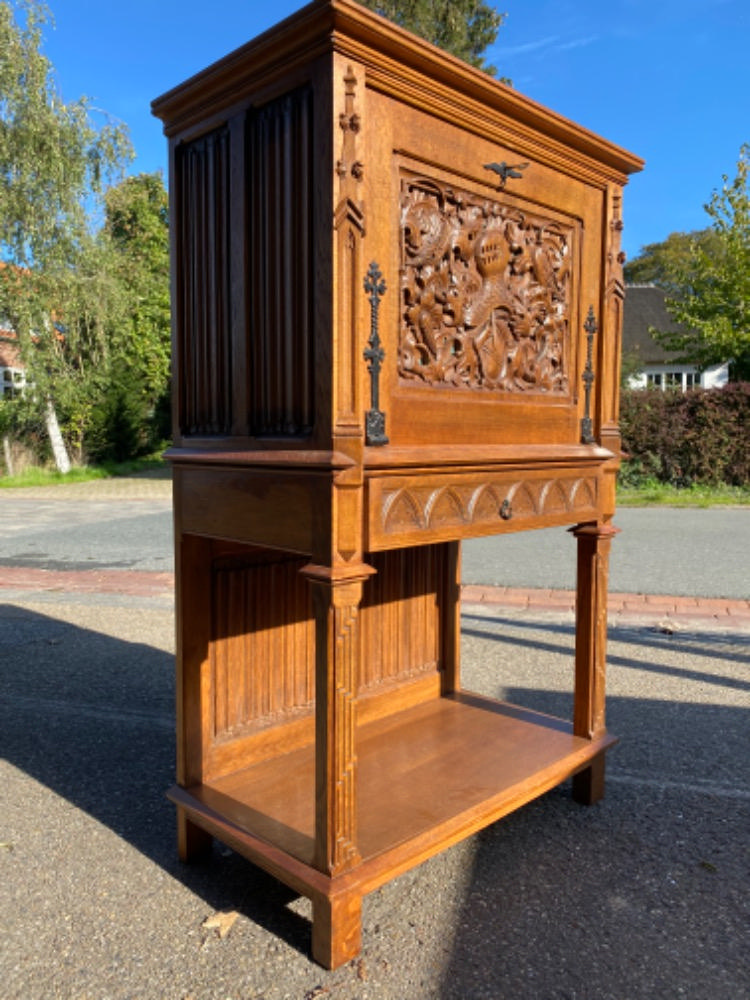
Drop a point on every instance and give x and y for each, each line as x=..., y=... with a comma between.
x=678, y=438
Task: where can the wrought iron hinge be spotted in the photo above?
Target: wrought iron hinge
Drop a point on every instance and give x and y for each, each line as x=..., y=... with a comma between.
x=374, y=355
x=587, y=427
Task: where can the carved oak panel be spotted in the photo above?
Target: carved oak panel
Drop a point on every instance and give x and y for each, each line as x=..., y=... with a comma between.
x=280, y=231
x=461, y=506
x=203, y=302
x=487, y=292
x=262, y=653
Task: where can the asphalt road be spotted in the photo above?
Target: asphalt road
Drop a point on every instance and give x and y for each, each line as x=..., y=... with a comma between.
x=697, y=553
x=642, y=897
x=86, y=534
x=660, y=550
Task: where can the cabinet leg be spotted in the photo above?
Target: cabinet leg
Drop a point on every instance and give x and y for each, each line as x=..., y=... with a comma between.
x=337, y=929
x=193, y=843
x=591, y=650
x=588, y=785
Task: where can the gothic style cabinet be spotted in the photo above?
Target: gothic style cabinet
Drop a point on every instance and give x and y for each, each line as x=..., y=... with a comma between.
x=397, y=292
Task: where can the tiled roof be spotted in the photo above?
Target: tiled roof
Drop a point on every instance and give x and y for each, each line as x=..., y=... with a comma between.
x=644, y=308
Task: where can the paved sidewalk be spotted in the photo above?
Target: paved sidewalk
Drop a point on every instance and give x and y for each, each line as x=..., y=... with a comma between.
x=642, y=897
x=553, y=901
x=668, y=614
x=144, y=486
x=664, y=611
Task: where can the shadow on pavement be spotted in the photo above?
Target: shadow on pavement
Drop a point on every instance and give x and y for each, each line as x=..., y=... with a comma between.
x=644, y=894
x=640, y=897
x=91, y=717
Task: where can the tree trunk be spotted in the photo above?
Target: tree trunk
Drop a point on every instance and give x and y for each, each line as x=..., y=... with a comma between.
x=8, y=455
x=56, y=439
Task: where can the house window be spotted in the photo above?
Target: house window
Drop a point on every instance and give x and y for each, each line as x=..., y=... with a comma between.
x=12, y=383
x=677, y=379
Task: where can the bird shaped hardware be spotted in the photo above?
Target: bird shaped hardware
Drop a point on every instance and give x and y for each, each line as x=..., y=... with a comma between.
x=506, y=170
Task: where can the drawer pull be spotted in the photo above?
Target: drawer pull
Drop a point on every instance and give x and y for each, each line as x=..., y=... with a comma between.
x=506, y=510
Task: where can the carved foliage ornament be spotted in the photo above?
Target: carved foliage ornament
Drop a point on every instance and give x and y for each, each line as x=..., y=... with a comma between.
x=486, y=293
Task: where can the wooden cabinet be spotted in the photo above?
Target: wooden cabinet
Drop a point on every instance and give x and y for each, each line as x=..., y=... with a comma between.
x=397, y=292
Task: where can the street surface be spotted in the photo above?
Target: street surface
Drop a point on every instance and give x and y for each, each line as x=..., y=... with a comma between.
x=641, y=897
x=702, y=553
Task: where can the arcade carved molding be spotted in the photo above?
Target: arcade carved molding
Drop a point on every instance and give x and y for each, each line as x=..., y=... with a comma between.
x=462, y=506
x=486, y=290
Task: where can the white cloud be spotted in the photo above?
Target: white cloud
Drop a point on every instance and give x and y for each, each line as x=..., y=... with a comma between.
x=577, y=43
x=553, y=43
x=510, y=52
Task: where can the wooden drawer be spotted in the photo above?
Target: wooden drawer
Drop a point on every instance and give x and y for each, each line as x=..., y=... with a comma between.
x=416, y=509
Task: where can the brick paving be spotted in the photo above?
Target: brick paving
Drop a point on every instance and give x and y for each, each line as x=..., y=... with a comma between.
x=150, y=485
x=133, y=583
x=663, y=610
x=667, y=612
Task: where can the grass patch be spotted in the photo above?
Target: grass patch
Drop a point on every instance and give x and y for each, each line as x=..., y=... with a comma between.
x=652, y=493
x=82, y=473
x=649, y=493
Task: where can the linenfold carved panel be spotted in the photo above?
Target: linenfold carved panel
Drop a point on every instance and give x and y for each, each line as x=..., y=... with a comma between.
x=486, y=292
x=203, y=302
x=262, y=649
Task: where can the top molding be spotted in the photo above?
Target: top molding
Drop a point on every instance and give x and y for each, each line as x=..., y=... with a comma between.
x=397, y=63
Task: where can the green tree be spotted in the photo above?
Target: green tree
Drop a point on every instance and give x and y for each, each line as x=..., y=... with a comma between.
x=133, y=415
x=56, y=286
x=663, y=264
x=465, y=28
x=707, y=279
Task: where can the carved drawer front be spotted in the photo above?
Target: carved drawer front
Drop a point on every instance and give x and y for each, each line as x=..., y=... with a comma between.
x=412, y=510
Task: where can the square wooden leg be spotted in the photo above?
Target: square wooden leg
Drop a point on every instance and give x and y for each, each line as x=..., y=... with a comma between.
x=337, y=928
x=193, y=843
x=588, y=785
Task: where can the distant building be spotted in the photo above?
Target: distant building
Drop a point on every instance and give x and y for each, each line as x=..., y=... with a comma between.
x=653, y=365
x=12, y=370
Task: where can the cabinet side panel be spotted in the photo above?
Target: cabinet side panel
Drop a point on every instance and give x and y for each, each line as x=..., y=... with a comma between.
x=262, y=656
x=279, y=198
x=203, y=377
x=401, y=617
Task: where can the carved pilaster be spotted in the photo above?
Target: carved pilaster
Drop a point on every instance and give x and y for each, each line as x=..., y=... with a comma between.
x=336, y=603
x=611, y=342
x=349, y=226
x=594, y=542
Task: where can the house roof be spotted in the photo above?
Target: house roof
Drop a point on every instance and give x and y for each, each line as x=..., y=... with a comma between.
x=645, y=307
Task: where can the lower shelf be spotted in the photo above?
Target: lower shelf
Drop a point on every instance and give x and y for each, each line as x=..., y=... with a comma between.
x=427, y=777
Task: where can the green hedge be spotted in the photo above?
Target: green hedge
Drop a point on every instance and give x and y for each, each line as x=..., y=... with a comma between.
x=700, y=436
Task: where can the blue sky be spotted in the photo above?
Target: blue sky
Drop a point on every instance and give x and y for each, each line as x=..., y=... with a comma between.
x=666, y=79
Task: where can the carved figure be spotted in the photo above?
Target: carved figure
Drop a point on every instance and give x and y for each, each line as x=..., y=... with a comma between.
x=486, y=293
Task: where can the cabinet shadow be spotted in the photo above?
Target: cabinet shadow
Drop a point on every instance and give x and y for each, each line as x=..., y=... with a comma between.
x=91, y=717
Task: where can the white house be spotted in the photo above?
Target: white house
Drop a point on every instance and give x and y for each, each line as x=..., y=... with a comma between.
x=656, y=367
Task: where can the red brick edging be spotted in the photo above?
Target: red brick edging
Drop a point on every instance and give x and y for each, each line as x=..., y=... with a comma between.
x=721, y=610
x=621, y=607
